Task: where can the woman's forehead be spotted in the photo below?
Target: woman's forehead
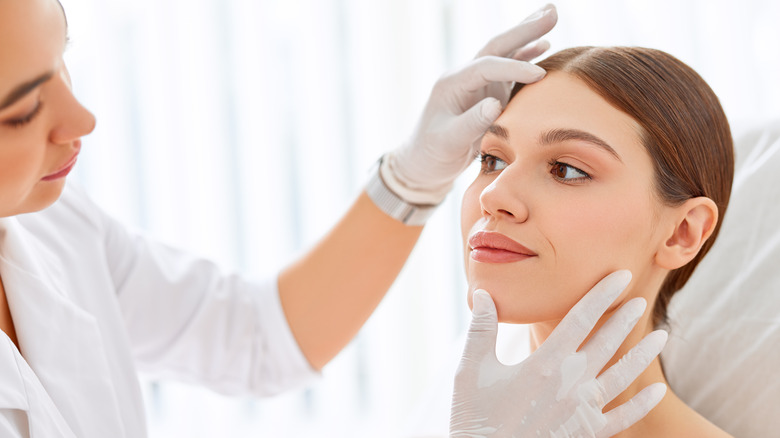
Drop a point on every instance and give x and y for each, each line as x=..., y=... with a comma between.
x=562, y=101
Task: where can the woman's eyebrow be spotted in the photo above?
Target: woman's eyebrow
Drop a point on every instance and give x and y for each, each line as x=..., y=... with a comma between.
x=560, y=135
x=22, y=89
x=499, y=131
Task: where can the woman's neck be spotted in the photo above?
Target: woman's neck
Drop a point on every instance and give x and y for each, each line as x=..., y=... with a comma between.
x=654, y=373
x=671, y=417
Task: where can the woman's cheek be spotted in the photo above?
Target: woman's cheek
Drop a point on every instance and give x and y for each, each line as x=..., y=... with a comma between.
x=470, y=213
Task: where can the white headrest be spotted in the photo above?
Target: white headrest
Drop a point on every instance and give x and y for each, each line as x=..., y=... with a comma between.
x=723, y=355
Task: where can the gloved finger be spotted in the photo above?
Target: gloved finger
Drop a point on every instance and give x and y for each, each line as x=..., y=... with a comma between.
x=530, y=29
x=625, y=415
x=603, y=345
x=581, y=319
x=531, y=51
x=617, y=378
x=481, y=337
x=484, y=71
x=472, y=124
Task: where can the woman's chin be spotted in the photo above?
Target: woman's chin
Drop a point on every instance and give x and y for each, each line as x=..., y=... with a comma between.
x=42, y=196
x=517, y=306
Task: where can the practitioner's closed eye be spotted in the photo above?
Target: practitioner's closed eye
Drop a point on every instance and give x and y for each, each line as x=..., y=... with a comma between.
x=18, y=122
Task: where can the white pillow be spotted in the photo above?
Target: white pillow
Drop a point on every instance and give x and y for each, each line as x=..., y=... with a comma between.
x=723, y=354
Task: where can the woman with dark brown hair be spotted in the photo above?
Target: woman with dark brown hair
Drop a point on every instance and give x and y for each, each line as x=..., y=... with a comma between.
x=620, y=158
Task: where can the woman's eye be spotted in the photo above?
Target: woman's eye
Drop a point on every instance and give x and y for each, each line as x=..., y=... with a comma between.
x=567, y=173
x=18, y=123
x=491, y=163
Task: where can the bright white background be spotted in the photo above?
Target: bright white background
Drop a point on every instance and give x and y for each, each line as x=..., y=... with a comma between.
x=242, y=129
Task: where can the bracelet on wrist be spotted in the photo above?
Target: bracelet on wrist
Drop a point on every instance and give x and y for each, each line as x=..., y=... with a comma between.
x=393, y=205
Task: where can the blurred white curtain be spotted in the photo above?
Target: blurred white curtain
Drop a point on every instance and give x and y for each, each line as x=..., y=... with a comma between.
x=243, y=129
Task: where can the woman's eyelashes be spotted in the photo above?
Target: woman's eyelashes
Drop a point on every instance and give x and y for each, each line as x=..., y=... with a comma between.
x=19, y=122
x=567, y=173
x=491, y=163
x=559, y=170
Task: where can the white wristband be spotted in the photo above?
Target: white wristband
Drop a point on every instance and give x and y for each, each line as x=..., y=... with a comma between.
x=417, y=195
x=392, y=204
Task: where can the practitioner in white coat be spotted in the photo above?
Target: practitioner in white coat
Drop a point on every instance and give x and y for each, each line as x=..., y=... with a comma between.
x=85, y=304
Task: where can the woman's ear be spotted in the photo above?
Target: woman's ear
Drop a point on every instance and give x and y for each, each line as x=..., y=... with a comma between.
x=695, y=221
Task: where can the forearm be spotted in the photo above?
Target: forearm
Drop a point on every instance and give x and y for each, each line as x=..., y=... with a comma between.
x=330, y=292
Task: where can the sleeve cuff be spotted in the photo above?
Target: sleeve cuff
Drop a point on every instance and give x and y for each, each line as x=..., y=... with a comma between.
x=292, y=370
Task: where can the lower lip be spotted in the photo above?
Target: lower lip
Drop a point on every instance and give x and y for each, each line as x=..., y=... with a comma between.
x=493, y=255
x=62, y=173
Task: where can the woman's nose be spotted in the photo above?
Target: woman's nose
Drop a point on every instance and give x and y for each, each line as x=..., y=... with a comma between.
x=504, y=199
x=73, y=120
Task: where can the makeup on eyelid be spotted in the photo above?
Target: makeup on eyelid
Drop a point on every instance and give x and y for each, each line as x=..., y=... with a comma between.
x=584, y=158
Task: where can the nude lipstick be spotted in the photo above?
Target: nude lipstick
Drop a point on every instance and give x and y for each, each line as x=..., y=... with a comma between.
x=492, y=247
x=65, y=169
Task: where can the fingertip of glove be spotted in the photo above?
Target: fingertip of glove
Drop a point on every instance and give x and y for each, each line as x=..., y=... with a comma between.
x=542, y=46
x=540, y=72
x=621, y=277
x=659, y=338
x=616, y=282
x=656, y=392
x=482, y=303
x=491, y=109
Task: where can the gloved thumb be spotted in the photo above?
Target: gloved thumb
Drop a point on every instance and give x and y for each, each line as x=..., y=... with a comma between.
x=481, y=338
x=470, y=125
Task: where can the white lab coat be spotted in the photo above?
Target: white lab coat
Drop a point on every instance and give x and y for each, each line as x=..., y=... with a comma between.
x=92, y=303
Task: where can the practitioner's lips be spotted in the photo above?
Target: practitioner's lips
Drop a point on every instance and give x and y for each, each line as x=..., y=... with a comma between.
x=493, y=247
x=65, y=169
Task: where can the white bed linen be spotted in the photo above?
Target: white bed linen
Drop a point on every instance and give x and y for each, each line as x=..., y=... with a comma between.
x=723, y=354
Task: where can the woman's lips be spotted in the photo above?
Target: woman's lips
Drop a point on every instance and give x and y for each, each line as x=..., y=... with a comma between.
x=492, y=247
x=65, y=169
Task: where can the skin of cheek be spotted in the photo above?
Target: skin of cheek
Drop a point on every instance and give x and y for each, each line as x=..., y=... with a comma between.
x=25, y=157
x=585, y=240
x=580, y=231
x=35, y=37
x=18, y=175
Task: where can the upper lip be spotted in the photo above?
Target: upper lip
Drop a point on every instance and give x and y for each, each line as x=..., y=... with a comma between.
x=494, y=240
x=68, y=163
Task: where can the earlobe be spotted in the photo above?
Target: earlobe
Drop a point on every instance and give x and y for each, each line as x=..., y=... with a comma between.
x=695, y=221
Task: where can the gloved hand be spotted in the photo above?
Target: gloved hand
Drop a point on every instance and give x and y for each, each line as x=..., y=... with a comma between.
x=555, y=392
x=461, y=107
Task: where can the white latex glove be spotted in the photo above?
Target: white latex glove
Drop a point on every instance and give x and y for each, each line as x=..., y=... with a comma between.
x=461, y=107
x=555, y=392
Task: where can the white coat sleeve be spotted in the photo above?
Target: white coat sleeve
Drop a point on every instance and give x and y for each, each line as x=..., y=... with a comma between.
x=188, y=320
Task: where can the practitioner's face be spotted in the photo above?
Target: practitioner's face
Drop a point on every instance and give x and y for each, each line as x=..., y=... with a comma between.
x=550, y=183
x=40, y=120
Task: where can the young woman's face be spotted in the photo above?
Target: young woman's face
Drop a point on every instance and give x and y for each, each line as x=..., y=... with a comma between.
x=40, y=120
x=564, y=197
